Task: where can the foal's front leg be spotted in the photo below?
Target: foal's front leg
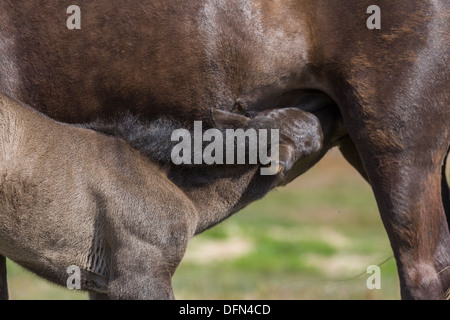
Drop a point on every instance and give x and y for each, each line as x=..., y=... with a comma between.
x=3, y=281
x=141, y=271
x=148, y=241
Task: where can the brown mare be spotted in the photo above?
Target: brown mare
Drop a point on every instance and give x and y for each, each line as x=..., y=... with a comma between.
x=182, y=58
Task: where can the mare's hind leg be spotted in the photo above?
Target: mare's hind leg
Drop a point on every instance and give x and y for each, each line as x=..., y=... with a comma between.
x=3, y=281
x=404, y=166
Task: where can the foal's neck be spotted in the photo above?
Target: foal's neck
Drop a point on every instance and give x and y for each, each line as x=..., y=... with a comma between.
x=219, y=191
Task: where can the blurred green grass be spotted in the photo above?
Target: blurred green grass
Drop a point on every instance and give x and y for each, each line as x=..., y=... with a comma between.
x=313, y=239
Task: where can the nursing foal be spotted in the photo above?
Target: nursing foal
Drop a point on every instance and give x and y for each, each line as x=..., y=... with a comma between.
x=70, y=195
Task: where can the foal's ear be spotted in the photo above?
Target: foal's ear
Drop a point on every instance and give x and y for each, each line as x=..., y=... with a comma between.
x=228, y=120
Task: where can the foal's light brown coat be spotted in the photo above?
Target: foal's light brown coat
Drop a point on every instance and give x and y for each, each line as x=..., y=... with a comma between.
x=74, y=196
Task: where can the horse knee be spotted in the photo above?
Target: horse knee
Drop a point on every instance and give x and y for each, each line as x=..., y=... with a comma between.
x=425, y=281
